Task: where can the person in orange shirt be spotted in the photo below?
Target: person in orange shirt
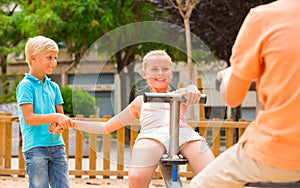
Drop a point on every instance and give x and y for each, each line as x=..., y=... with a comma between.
x=266, y=50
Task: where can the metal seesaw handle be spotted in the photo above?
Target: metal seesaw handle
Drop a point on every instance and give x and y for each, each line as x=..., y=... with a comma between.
x=169, y=97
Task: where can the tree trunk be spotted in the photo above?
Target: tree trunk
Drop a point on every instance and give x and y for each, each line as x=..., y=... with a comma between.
x=5, y=84
x=189, y=59
x=189, y=49
x=121, y=66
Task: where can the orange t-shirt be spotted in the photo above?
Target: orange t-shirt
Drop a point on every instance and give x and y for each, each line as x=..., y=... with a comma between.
x=267, y=49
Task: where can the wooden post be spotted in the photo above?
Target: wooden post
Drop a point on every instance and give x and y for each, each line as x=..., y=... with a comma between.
x=92, y=152
x=180, y=85
x=229, y=135
x=106, y=152
x=216, y=138
x=241, y=130
x=92, y=148
x=2, y=138
x=78, y=149
x=201, y=106
x=120, y=149
x=8, y=144
x=65, y=136
x=133, y=134
x=2, y=142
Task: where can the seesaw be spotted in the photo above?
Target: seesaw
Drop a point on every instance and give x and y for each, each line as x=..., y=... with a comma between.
x=170, y=162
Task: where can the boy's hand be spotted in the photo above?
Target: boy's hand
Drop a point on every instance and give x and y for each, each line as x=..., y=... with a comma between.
x=223, y=73
x=65, y=121
x=54, y=128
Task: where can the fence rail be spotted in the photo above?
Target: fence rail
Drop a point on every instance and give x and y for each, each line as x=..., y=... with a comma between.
x=219, y=134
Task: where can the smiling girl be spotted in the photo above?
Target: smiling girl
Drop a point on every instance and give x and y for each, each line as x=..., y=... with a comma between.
x=153, y=139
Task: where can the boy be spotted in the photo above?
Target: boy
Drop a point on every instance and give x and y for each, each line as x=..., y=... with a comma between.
x=267, y=50
x=40, y=103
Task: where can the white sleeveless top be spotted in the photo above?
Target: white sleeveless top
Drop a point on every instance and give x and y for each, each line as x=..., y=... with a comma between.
x=155, y=120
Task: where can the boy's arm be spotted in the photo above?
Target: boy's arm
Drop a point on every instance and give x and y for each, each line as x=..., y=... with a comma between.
x=130, y=113
x=232, y=88
x=59, y=108
x=33, y=119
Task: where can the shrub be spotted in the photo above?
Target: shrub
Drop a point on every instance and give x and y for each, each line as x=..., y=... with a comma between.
x=8, y=88
x=78, y=102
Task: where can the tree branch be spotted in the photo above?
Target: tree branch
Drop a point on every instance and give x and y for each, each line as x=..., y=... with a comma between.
x=215, y=28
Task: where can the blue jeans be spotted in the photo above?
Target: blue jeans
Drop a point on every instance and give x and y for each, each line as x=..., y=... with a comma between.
x=47, y=166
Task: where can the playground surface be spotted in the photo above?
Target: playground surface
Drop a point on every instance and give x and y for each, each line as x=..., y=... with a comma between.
x=15, y=182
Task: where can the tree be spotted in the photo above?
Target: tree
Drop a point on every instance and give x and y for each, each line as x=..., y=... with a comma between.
x=78, y=24
x=9, y=94
x=75, y=24
x=10, y=37
x=217, y=23
x=185, y=9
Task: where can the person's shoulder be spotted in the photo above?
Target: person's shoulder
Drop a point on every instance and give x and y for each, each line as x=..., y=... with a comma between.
x=269, y=7
x=265, y=13
x=24, y=82
x=54, y=83
x=137, y=102
x=24, y=86
x=138, y=99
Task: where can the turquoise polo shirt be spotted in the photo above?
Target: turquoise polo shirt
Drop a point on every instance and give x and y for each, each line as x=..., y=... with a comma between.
x=44, y=98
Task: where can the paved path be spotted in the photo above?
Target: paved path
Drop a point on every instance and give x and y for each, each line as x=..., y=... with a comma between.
x=8, y=182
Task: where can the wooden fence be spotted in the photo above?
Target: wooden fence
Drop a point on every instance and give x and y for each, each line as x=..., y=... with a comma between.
x=219, y=134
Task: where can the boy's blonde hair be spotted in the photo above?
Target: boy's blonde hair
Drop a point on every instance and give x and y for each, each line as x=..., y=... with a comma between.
x=39, y=44
x=155, y=54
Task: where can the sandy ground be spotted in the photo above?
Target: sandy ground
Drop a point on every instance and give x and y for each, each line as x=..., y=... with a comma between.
x=14, y=182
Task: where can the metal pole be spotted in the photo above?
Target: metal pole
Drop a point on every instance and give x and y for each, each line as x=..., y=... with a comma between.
x=174, y=127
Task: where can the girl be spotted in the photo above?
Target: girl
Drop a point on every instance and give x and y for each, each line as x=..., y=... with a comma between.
x=153, y=139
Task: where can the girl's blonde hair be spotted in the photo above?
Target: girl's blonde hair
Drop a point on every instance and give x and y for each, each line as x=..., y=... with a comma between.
x=39, y=44
x=155, y=54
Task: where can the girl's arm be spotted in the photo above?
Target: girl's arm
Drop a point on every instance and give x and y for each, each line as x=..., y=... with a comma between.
x=54, y=127
x=91, y=127
x=126, y=116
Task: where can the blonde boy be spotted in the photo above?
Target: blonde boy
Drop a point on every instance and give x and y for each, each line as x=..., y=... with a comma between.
x=39, y=104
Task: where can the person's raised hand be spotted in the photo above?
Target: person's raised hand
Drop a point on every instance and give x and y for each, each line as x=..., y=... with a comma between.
x=225, y=72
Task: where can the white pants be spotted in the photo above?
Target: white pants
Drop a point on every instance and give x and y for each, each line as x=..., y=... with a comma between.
x=233, y=169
